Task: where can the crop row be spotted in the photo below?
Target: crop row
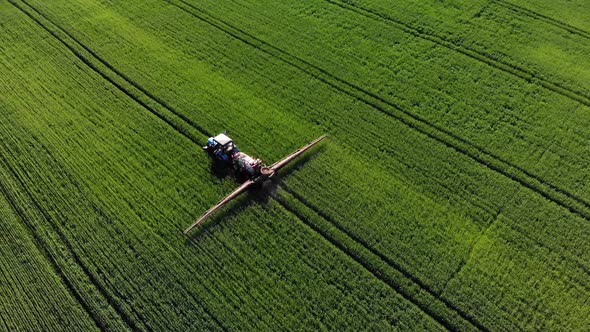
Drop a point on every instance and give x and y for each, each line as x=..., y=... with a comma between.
x=148, y=101
x=522, y=10
x=119, y=185
x=334, y=120
x=514, y=121
x=381, y=267
x=561, y=237
x=519, y=289
x=342, y=123
x=32, y=296
x=218, y=256
x=479, y=42
x=445, y=317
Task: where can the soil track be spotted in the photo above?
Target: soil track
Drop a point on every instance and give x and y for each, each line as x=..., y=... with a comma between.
x=510, y=68
x=543, y=18
x=560, y=196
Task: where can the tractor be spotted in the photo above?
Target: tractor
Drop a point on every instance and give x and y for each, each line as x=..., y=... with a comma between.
x=223, y=149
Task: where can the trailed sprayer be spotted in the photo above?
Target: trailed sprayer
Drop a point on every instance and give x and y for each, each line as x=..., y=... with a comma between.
x=223, y=149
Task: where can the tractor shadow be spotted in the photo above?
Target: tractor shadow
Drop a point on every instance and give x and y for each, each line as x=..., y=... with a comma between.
x=220, y=170
x=259, y=194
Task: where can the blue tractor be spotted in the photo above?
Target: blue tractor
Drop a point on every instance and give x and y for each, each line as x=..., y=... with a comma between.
x=223, y=149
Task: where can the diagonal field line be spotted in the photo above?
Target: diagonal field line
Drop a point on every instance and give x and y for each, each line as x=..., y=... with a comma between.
x=543, y=18
x=164, y=106
x=126, y=90
x=125, y=318
x=40, y=245
x=86, y=61
x=552, y=192
x=388, y=261
x=127, y=79
x=507, y=67
x=111, y=300
x=341, y=85
x=428, y=306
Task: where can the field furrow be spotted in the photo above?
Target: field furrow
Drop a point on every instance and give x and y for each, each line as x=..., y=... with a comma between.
x=484, y=21
x=450, y=195
x=122, y=186
x=401, y=280
x=507, y=67
x=396, y=167
x=499, y=244
x=548, y=190
x=35, y=281
x=545, y=18
x=80, y=286
x=109, y=73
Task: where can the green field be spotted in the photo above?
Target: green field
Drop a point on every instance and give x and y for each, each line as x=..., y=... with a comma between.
x=453, y=192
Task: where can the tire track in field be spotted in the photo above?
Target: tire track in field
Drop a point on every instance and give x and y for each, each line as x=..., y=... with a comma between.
x=168, y=121
x=483, y=57
x=563, y=255
x=554, y=249
x=483, y=232
x=391, y=263
x=302, y=68
x=359, y=240
x=520, y=238
x=402, y=287
x=58, y=167
x=171, y=119
x=63, y=238
x=163, y=104
x=543, y=18
x=104, y=216
x=119, y=86
x=551, y=192
x=41, y=247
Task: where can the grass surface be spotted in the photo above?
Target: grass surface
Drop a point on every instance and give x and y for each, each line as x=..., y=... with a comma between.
x=452, y=193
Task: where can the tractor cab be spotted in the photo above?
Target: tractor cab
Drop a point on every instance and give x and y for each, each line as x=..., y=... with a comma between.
x=221, y=147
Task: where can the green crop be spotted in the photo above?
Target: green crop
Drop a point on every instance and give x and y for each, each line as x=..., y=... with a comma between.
x=452, y=192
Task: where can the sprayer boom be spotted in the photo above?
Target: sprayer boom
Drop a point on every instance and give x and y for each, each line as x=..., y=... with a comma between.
x=258, y=175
